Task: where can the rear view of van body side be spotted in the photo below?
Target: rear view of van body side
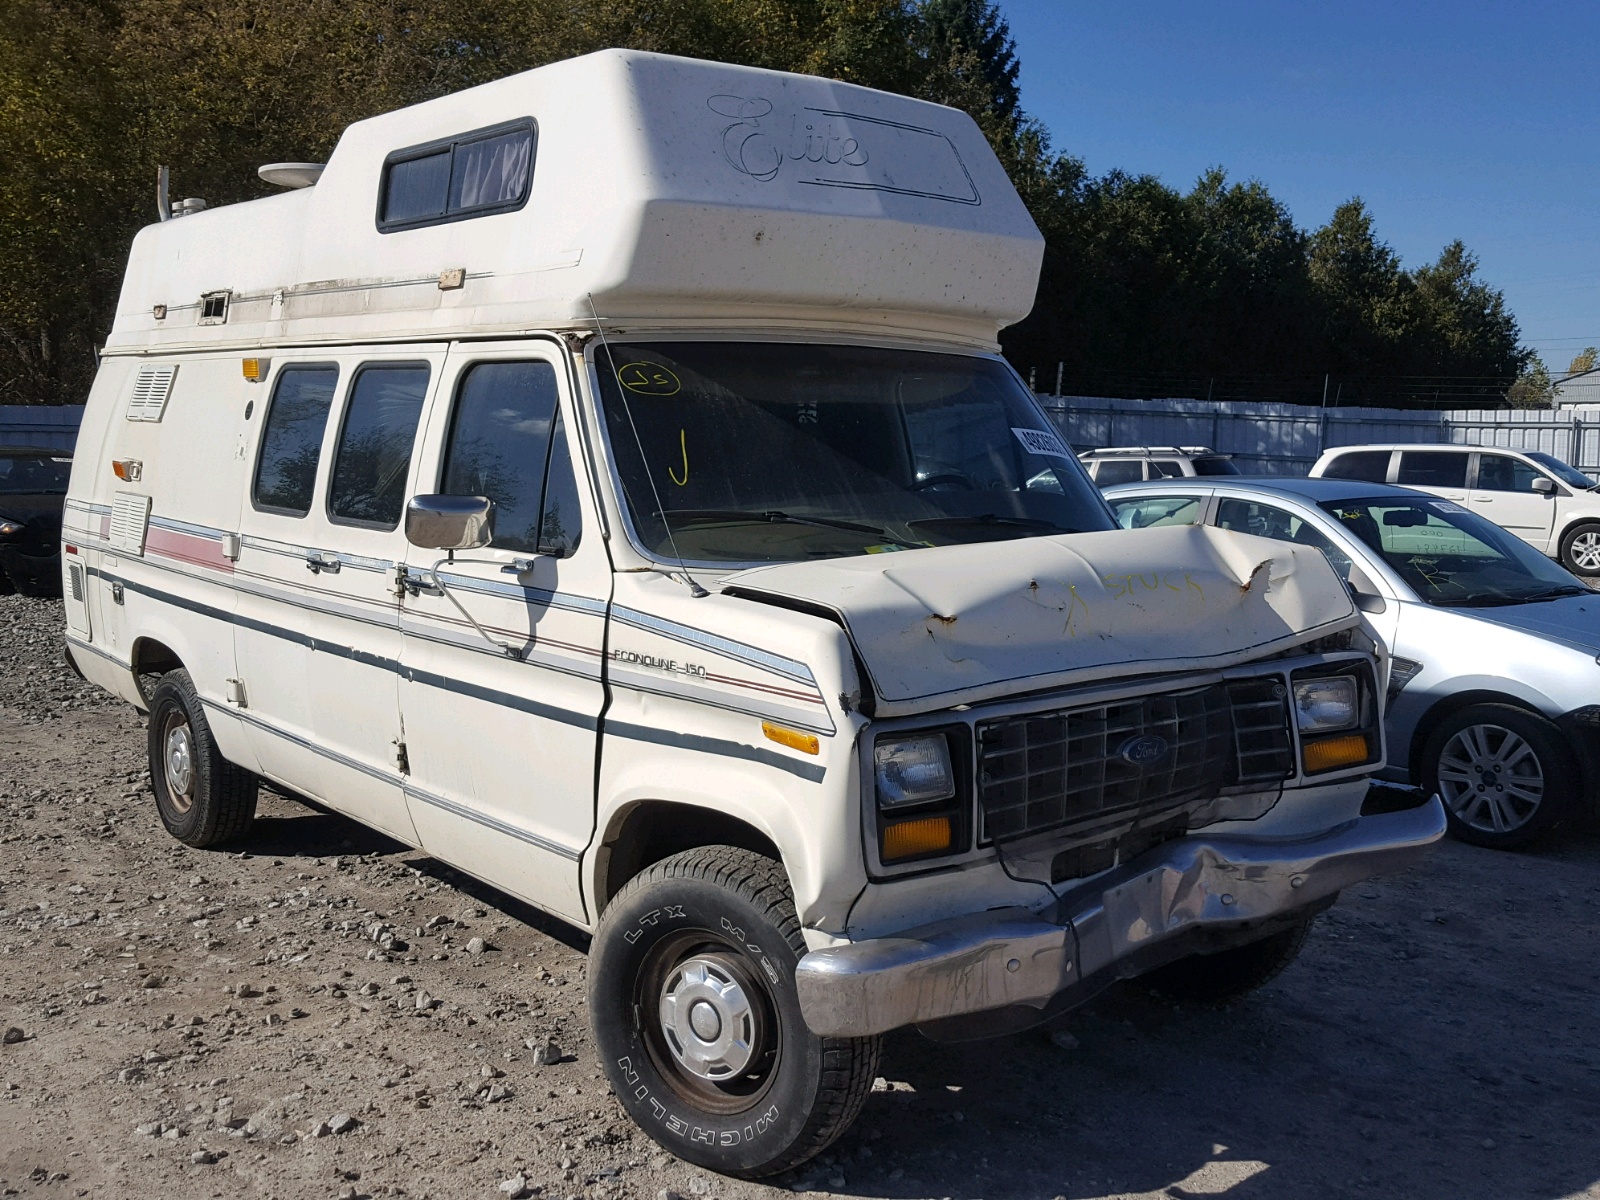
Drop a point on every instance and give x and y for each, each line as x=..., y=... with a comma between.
x=658, y=535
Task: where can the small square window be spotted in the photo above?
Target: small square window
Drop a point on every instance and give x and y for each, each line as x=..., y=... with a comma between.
x=214, y=308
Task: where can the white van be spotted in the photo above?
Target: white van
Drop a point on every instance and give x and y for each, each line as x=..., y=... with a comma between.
x=1547, y=503
x=606, y=480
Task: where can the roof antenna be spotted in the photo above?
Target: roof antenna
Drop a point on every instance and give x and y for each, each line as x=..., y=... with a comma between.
x=163, y=194
x=695, y=589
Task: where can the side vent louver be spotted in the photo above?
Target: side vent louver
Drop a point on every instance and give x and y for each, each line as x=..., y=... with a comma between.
x=130, y=518
x=76, y=572
x=151, y=389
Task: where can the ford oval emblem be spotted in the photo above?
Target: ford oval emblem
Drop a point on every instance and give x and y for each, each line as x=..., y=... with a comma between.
x=1143, y=750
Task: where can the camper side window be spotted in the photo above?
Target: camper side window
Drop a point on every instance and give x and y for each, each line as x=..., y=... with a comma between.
x=473, y=175
x=507, y=443
x=291, y=440
x=380, y=427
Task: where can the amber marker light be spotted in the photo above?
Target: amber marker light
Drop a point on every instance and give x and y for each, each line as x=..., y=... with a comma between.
x=806, y=743
x=254, y=369
x=1325, y=754
x=907, y=839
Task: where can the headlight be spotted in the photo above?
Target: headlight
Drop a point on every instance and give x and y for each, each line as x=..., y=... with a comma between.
x=913, y=770
x=9, y=529
x=1323, y=705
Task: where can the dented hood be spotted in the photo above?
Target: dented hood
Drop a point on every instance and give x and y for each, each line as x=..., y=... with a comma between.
x=960, y=624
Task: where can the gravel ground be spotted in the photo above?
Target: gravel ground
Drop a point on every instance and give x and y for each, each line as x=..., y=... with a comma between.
x=317, y=1017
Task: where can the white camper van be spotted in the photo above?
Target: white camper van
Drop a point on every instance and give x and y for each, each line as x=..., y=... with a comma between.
x=606, y=481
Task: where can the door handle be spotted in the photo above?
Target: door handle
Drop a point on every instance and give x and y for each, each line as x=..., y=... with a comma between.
x=1483, y=499
x=317, y=562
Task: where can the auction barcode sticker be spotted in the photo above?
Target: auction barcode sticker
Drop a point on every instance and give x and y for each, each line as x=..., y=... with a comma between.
x=1041, y=441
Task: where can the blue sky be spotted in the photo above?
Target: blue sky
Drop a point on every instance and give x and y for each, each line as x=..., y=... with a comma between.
x=1469, y=119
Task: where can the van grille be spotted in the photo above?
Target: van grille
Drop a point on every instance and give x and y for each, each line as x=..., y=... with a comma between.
x=1080, y=767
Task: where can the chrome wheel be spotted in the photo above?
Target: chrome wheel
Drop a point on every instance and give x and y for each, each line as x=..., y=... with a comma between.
x=1584, y=550
x=177, y=760
x=1491, y=778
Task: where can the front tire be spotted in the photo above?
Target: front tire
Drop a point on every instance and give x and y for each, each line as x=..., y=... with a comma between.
x=1580, y=549
x=1505, y=775
x=696, y=1017
x=204, y=800
x=1228, y=974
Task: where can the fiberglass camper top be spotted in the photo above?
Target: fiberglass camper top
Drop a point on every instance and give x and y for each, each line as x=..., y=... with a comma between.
x=660, y=189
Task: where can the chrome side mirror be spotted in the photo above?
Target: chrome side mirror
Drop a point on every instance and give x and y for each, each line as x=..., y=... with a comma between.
x=450, y=522
x=1544, y=486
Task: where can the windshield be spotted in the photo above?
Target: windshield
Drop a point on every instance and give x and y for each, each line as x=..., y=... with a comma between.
x=1217, y=465
x=1570, y=476
x=737, y=452
x=1451, y=557
x=34, y=475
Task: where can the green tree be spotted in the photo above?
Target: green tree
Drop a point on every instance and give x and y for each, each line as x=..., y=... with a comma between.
x=1532, y=387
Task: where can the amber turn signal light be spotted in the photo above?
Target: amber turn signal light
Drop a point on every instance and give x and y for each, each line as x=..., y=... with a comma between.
x=1325, y=754
x=907, y=839
x=806, y=743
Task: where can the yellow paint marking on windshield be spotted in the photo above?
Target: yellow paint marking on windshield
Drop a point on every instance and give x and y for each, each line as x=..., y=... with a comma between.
x=648, y=379
x=683, y=446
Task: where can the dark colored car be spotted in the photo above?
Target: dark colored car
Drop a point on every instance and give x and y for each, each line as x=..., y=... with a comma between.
x=33, y=490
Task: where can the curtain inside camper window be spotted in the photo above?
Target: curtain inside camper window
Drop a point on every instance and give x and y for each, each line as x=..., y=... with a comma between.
x=492, y=171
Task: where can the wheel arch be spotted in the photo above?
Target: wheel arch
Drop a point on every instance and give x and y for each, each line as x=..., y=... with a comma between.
x=1572, y=525
x=646, y=831
x=151, y=656
x=1447, y=706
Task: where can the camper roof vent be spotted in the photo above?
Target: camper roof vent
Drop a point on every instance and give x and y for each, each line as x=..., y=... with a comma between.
x=292, y=175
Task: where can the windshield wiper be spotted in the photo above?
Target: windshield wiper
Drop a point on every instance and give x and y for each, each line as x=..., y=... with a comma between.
x=1553, y=593
x=777, y=517
x=996, y=519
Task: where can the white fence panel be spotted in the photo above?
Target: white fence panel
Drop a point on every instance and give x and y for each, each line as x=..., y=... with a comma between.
x=1285, y=439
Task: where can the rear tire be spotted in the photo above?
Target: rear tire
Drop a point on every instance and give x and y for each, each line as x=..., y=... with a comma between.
x=1216, y=978
x=204, y=800
x=1580, y=549
x=1506, y=775
x=695, y=1014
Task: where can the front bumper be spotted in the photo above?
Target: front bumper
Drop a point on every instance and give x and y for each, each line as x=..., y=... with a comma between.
x=1011, y=957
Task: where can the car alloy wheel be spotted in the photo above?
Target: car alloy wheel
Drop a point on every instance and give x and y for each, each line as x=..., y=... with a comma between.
x=1584, y=551
x=1491, y=778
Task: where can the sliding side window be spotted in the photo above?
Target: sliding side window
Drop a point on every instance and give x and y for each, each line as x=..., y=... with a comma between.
x=476, y=174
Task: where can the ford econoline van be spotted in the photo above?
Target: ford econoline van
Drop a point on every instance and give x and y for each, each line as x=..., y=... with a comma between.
x=606, y=480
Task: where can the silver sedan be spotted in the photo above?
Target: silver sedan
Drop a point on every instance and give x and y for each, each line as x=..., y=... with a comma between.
x=1494, y=690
